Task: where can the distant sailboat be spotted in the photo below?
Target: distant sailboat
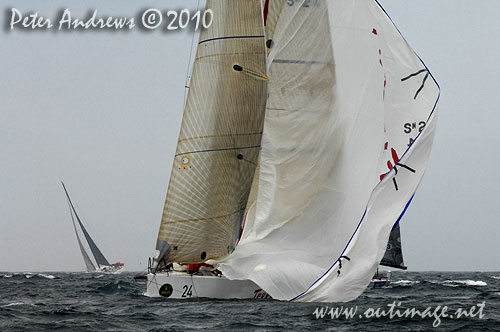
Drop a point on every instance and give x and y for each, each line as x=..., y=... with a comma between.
x=393, y=257
x=102, y=263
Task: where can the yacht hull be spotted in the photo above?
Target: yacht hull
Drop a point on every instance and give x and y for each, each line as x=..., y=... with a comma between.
x=180, y=285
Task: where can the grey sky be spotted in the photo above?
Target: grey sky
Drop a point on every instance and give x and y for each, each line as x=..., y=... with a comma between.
x=102, y=112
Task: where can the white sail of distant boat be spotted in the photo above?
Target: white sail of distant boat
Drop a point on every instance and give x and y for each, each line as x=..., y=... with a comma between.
x=102, y=263
x=307, y=130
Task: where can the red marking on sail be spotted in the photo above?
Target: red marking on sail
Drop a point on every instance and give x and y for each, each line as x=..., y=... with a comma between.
x=266, y=11
x=394, y=156
x=389, y=164
x=374, y=31
x=386, y=145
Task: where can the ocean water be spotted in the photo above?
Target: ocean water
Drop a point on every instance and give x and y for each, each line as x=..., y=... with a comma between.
x=93, y=302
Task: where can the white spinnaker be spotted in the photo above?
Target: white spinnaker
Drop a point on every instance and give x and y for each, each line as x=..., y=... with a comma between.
x=331, y=132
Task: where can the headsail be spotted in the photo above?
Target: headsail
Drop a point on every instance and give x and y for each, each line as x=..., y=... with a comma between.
x=88, y=263
x=220, y=138
x=393, y=256
x=348, y=130
x=98, y=256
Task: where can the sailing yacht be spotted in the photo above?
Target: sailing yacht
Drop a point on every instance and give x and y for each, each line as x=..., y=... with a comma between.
x=103, y=266
x=393, y=258
x=307, y=129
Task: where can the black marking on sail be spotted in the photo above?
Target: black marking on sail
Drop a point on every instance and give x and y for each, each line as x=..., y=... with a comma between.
x=340, y=263
x=238, y=68
x=413, y=75
x=396, y=171
x=240, y=156
x=423, y=81
x=203, y=256
x=407, y=167
x=395, y=183
x=269, y=43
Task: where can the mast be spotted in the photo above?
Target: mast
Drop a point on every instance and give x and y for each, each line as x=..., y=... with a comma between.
x=98, y=256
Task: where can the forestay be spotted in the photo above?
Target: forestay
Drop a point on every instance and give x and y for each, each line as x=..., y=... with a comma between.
x=348, y=129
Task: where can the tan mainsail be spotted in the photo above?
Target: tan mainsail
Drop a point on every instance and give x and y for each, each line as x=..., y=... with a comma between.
x=220, y=137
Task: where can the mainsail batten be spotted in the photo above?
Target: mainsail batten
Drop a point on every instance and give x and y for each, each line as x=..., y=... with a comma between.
x=220, y=138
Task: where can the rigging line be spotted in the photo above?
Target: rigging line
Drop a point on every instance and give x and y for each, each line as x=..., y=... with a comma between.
x=189, y=70
x=249, y=161
x=413, y=75
x=217, y=150
x=228, y=37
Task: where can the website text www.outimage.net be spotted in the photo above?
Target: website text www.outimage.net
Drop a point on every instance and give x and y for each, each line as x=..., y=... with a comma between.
x=394, y=310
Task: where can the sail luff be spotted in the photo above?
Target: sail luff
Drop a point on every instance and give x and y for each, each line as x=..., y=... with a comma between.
x=219, y=142
x=98, y=255
x=88, y=263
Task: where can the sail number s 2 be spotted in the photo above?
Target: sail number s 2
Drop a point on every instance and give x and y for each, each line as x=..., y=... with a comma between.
x=153, y=18
x=410, y=128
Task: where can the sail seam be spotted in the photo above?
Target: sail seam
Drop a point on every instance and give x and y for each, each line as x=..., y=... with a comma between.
x=215, y=136
x=200, y=219
x=224, y=54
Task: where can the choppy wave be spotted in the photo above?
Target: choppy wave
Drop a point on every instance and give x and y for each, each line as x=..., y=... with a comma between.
x=405, y=283
x=86, y=301
x=29, y=275
x=465, y=282
x=15, y=304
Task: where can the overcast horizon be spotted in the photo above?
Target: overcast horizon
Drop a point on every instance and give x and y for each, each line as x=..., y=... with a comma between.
x=101, y=111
